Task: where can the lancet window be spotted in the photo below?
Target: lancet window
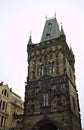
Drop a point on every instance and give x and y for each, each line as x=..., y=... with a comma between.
x=45, y=100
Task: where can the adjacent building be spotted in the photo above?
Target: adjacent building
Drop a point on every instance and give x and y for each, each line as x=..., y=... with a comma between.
x=51, y=96
x=10, y=104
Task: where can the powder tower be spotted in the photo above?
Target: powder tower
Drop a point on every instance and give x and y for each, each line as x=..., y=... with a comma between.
x=51, y=97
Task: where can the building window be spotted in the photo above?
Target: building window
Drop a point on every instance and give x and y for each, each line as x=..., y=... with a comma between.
x=3, y=105
x=45, y=100
x=18, y=124
x=41, y=70
x=2, y=120
x=6, y=107
x=2, y=91
x=5, y=92
x=51, y=66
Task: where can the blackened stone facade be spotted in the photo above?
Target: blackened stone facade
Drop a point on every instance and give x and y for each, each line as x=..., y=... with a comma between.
x=51, y=98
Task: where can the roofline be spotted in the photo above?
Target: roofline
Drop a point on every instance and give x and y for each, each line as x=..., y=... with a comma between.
x=16, y=94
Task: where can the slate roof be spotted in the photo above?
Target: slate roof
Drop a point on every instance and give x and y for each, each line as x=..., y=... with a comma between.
x=51, y=30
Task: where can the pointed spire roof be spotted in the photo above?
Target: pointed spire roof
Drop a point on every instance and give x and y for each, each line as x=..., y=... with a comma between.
x=71, y=49
x=51, y=30
x=30, y=40
x=62, y=31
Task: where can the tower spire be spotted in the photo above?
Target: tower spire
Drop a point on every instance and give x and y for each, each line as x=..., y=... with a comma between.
x=55, y=14
x=46, y=17
x=30, y=40
x=71, y=49
x=62, y=31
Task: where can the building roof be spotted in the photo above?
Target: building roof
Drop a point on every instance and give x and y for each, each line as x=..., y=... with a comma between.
x=51, y=30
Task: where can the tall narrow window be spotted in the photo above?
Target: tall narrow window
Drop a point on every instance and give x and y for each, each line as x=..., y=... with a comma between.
x=3, y=106
x=41, y=70
x=45, y=100
x=6, y=107
x=2, y=120
x=5, y=92
x=51, y=67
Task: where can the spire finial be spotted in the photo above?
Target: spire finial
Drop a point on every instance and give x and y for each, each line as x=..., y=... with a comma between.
x=71, y=48
x=62, y=31
x=30, y=33
x=61, y=24
x=30, y=39
x=46, y=17
x=70, y=45
x=55, y=14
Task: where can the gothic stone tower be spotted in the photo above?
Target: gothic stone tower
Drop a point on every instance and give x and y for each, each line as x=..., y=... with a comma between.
x=51, y=98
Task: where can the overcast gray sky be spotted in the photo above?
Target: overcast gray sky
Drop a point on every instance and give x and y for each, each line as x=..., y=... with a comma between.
x=20, y=17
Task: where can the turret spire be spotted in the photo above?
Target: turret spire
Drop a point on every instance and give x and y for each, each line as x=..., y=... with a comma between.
x=62, y=31
x=71, y=49
x=30, y=40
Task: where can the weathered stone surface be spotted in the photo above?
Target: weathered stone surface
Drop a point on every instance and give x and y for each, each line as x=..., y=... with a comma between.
x=51, y=99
